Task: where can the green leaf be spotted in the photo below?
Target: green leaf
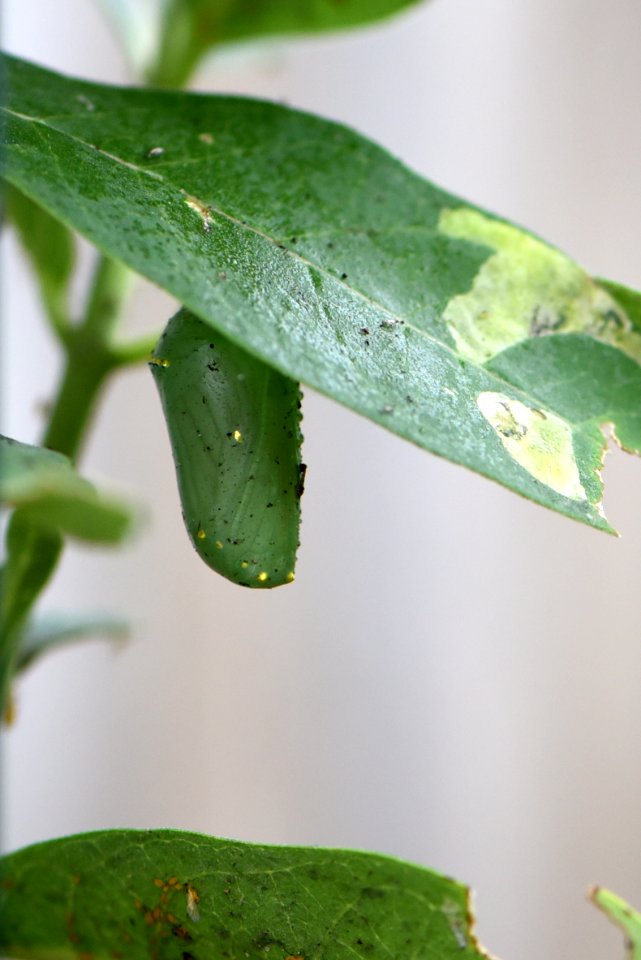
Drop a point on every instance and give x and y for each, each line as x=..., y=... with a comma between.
x=50, y=631
x=32, y=554
x=183, y=30
x=169, y=894
x=317, y=252
x=139, y=24
x=51, y=495
x=51, y=249
x=622, y=914
x=234, y=428
x=629, y=300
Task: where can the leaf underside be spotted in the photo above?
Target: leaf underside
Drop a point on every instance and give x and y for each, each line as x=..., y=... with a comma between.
x=234, y=429
x=174, y=895
x=324, y=257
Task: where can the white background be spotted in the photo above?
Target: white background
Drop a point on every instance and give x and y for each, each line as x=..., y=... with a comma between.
x=454, y=676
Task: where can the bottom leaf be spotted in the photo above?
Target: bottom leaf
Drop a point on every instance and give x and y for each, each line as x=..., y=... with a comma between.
x=184, y=896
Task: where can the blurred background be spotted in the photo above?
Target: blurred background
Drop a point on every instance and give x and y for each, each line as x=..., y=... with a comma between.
x=454, y=677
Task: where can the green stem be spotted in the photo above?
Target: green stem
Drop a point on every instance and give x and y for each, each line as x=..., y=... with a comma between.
x=32, y=551
x=178, y=53
x=56, y=309
x=135, y=351
x=91, y=356
x=90, y=359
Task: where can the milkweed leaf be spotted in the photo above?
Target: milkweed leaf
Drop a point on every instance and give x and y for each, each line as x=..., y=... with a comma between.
x=174, y=895
x=47, y=489
x=183, y=30
x=48, y=632
x=315, y=251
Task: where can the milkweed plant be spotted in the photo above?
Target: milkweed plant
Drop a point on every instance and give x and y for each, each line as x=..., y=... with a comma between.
x=442, y=322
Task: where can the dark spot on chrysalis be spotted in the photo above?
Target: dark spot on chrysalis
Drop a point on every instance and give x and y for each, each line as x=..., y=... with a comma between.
x=300, y=488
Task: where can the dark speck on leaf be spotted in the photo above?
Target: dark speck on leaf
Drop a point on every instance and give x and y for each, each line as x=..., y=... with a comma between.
x=373, y=893
x=343, y=276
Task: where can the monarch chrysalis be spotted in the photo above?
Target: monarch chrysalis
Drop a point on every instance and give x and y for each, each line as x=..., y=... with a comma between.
x=234, y=425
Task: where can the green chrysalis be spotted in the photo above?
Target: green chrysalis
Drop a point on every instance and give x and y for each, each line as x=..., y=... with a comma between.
x=234, y=425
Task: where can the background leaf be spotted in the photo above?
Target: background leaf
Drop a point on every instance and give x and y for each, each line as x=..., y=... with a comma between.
x=183, y=30
x=234, y=428
x=49, y=492
x=50, y=247
x=177, y=895
x=629, y=300
x=622, y=914
x=50, y=631
x=326, y=258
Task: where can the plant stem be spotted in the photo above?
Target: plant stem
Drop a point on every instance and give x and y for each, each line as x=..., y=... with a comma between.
x=33, y=551
x=90, y=359
x=178, y=53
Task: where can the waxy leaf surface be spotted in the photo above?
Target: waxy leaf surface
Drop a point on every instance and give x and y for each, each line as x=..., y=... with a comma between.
x=323, y=256
x=173, y=895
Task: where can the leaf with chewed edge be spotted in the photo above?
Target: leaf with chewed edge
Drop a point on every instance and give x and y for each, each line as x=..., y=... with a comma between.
x=315, y=251
x=174, y=895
